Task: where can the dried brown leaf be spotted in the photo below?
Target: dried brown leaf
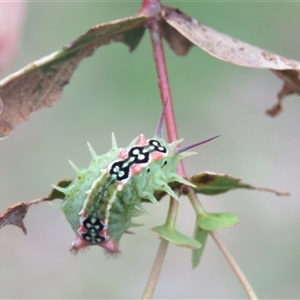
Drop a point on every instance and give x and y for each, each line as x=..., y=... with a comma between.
x=290, y=86
x=15, y=214
x=223, y=46
x=178, y=43
x=232, y=51
x=41, y=83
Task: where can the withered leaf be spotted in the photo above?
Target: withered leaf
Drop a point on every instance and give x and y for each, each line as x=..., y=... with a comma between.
x=178, y=43
x=40, y=83
x=15, y=214
x=210, y=183
x=290, y=86
x=230, y=50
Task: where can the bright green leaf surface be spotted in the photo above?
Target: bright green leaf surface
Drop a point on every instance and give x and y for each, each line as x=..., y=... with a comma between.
x=209, y=183
x=175, y=237
x=55, y=194
x=217, y=221
x=201, y=236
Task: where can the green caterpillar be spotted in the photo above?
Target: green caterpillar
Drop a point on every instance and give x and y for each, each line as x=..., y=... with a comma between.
x=101, y=201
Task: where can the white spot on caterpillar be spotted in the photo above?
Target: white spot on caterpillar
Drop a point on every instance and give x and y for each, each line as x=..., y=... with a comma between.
x=116, y=169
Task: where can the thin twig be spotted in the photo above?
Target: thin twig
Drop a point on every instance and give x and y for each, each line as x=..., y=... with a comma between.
x=163, y=81
x=153, y=7
x=234, y=266
x=153, y=278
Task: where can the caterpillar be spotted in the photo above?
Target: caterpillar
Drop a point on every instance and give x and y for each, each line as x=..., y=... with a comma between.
x=101, y=201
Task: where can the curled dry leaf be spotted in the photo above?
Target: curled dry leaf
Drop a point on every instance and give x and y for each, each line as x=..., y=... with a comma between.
x=15, y=214
x=230, y=50
x=41, y=83
x=210, y=183
x=290, y=86
x=178, y=43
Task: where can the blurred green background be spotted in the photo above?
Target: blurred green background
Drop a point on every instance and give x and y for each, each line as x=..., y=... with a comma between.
x=117, y=91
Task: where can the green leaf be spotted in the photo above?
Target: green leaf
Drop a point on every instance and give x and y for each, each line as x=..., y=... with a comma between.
x=201, y=236
x=175, y=237
x=41, y=83
x=217, y=220
x=133, y=37
x=209, y=183
x=159, y=194
x=55, y=194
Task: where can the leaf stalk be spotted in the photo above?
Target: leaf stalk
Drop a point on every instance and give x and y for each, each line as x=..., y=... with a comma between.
x=156, y=268
x=234, y=266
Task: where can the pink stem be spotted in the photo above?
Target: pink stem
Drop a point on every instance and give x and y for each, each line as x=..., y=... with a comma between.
x=151, y=7
x=164, y=85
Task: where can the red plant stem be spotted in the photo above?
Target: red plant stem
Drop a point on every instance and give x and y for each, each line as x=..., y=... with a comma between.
x=164, y=86
x=163, y=80
x=151, y=7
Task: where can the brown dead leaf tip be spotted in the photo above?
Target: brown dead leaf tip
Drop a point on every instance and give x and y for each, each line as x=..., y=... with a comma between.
x=14, y=215
x=204, y=179
x=178, y=43
x=291, y=86
x=167, y=11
